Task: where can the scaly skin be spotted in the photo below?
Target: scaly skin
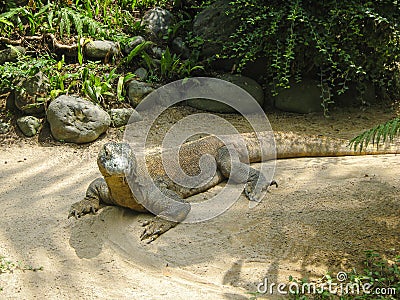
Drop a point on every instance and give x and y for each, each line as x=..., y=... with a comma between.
x=115, y=160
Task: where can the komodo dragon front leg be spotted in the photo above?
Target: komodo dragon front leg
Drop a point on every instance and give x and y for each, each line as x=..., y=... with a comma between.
x=96, y=194
x=169, y=211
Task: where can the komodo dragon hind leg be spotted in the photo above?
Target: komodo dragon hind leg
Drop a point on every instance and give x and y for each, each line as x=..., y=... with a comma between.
x=96, y=194
x=239, y=172
x=155, y=228
x=254, y=191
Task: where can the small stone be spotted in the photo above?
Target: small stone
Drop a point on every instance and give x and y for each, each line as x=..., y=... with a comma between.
x=11, y=54
x=157, y=52
x=121, y=116
x=101, y=49
x=4, y=127
x=141, y=73
x=137, y=90
x=179, y=47
x=135, y=41
x=29, y=125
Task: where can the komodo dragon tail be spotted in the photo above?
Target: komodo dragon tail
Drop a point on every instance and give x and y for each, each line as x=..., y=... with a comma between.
x=290, y=145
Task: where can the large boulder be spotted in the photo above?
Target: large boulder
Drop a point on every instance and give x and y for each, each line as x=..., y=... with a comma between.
x=248, y=84
x=76, y=120
x=303, y=97
x=214, y=27
x=157, y=21
x=30, y=94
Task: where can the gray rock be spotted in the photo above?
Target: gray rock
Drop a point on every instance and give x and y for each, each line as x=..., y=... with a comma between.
x=141, y=73
x=157, y=21
x=303, y=97
x=101, y=49
x=248, y=84
x=11, y=54
x=137, y=90
x=121, y=116
x=214, y=27
x=135, y=41
x=4, y=127
x=180, y=48
x=29, y=125
x=76, y=120
x=157, y=52
x=31, y=94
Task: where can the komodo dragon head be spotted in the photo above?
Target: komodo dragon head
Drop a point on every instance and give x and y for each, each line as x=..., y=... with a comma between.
x=116, y=159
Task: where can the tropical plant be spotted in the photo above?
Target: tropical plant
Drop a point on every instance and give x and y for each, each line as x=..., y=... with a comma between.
x=377, y=134
x=336, y=41
x=98, y=87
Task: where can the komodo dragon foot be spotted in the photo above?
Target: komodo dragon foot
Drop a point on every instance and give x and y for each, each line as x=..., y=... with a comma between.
x=252, y=194
x=84, y=207
x=154, y=228
x=96, y=192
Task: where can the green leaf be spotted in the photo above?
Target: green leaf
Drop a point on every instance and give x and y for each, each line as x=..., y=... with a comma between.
x=137, y=50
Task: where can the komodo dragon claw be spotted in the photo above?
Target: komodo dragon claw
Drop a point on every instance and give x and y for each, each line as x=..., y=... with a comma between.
x=155, y=228
x=252, y=195
x=84, y=207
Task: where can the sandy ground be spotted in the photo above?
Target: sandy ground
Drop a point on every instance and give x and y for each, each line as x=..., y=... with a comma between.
x=323, y=216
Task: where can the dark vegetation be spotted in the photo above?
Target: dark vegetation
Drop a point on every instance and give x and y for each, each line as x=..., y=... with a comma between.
x=338, y=42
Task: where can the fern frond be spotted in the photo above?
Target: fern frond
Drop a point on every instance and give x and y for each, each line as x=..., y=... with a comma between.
x=13, y=12
x=77, y=20
x=67, y=23
x=63, y=16
x=69, y=19
x=378, y=134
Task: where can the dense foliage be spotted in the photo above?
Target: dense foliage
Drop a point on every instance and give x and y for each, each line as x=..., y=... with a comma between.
x=31, y=23
x=336, y=41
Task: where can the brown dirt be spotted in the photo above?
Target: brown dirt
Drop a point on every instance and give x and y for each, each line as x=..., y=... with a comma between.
x=323, y=216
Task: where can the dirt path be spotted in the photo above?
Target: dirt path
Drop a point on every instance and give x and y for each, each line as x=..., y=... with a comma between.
x=325, y=213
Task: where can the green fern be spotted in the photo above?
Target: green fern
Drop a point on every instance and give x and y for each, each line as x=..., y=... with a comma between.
x=82, y=24
x=377, y=134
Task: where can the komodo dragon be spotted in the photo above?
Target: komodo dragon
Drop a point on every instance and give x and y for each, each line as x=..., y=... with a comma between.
x=115, y=159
